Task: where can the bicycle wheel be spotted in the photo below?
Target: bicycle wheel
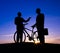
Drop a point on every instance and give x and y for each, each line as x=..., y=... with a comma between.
x=35, y=35
x=15, y=37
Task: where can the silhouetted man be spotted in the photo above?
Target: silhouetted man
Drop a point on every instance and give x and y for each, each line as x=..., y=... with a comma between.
x=40, y=25
x=19, y=26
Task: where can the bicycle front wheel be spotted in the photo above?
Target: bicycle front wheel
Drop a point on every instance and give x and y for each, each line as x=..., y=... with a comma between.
x=35, y=35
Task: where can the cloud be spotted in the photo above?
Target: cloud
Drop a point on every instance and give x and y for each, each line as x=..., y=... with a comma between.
x=57, y=41
x=53, y=40
x=6, y=38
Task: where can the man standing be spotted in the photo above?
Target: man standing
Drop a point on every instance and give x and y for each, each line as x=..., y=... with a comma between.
x=40, y=25
x=19, y=26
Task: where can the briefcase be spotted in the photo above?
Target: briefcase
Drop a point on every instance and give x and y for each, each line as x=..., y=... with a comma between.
x=45, y=31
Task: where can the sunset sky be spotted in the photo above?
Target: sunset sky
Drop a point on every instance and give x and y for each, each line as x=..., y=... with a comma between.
x=9, y=9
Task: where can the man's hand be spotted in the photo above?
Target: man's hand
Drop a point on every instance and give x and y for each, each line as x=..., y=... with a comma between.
x=29, y=18
x=33, y=26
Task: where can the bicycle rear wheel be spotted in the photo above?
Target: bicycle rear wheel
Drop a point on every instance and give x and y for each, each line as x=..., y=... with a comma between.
x=15, y=37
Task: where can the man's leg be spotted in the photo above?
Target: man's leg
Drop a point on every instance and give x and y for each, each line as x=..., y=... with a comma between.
x=17, y=37
x=21, y=36
x=41, y=37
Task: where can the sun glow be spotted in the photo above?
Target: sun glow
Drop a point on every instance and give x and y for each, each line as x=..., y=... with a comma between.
x=36, y=41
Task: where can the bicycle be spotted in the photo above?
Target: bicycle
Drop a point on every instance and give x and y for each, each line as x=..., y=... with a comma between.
x=30, y=37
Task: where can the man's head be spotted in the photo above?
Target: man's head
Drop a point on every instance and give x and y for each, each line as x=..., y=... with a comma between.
x=19, y=14
x=38, y=10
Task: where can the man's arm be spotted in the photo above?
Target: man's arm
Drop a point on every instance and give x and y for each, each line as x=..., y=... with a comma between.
x=27, y=19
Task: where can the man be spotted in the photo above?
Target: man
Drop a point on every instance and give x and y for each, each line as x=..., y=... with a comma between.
x=40, y=25
x=19, y=26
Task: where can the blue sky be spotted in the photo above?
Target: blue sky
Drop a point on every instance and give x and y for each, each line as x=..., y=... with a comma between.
x=9, y=9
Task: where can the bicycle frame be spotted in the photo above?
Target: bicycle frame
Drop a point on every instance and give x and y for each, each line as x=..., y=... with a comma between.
x=31, y=37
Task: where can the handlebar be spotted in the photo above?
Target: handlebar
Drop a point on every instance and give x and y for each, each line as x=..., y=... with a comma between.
x=25, y=24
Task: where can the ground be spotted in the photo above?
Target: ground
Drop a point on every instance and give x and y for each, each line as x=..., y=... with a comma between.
x=30, y=47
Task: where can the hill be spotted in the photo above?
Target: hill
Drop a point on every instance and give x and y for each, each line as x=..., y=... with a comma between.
x=30, y=46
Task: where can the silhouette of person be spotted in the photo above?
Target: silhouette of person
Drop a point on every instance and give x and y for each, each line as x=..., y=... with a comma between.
x=40, y=25
x=19, y=26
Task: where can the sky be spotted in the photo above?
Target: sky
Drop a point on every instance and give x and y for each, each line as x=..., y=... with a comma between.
x=9, y=9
